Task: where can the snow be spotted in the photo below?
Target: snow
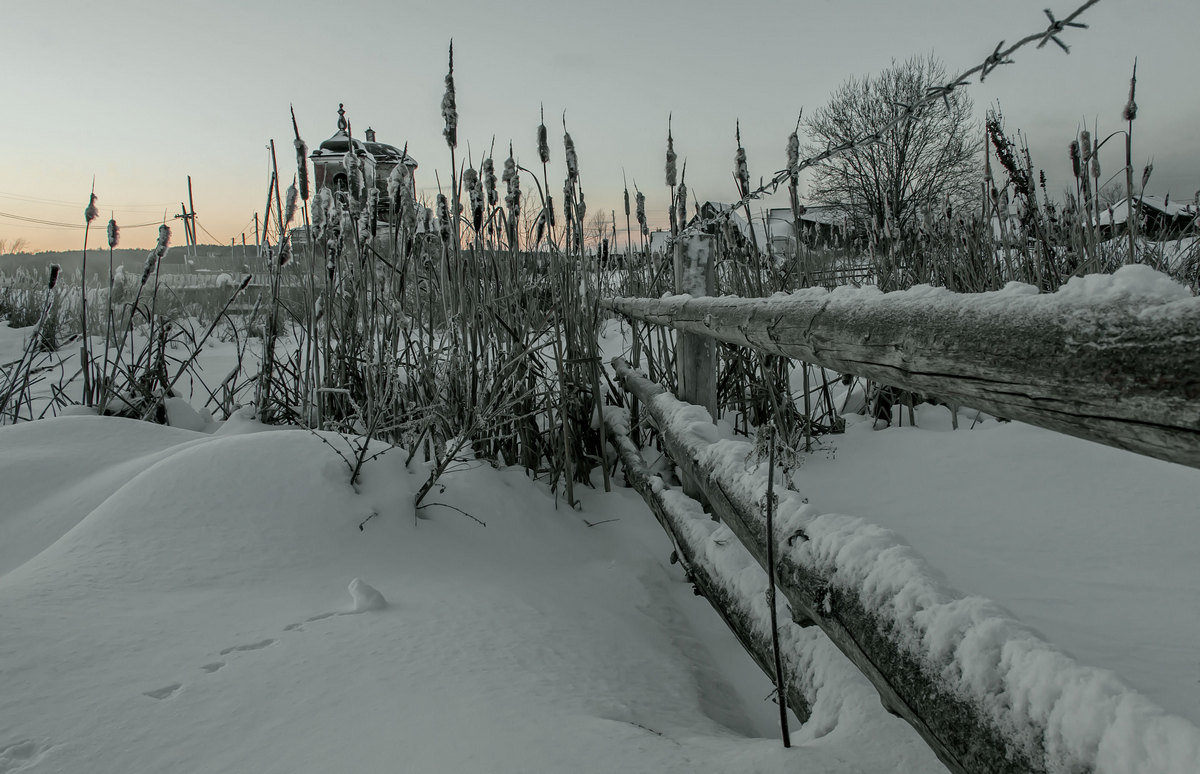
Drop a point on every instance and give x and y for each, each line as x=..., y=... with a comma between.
x=173, y=601
x=1091, y=546
x=175, y=598
x=1082, y=716
x=1135, y=289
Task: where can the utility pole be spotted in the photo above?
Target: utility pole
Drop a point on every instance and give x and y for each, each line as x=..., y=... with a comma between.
x=192, y=219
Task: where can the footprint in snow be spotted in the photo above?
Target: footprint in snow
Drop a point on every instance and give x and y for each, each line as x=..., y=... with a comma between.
x=164, y=692
x=21, y=755
x=364, y=598
x=251, y=646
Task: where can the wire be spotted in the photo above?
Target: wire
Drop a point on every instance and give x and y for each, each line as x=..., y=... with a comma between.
x=59, y=224
x=999, y=57
x=206, y=231
x=60, y=203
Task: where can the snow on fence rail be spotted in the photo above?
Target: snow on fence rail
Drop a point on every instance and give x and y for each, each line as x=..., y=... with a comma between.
x=1111, y=358
x=986, y=693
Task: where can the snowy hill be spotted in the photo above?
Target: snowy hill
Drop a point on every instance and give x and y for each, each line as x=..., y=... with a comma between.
x=175, y=601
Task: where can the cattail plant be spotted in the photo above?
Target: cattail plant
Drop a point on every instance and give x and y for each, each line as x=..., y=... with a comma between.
x=450, y=106
x=85, y=352
x=543, y=150
x=572, y=158
x=671, y=179
x=489, y=181
x=512, y=197
x=475, y=197
x=1130, y=115
x=289, y=208
x=14, y=386
x=301, y=158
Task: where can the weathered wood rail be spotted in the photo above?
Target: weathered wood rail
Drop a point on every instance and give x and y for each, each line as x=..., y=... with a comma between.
x=1115, y=361
x=749, y=625
x=952, y=729
x=890, y=614
x=1110, y=359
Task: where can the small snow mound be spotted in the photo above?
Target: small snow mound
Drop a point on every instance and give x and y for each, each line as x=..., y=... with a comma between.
x=181, y=414
x=1128, y=283
x=77, y=411
x=366, y=597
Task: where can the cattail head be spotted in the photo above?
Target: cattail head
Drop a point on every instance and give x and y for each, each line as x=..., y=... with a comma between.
x=640, y=199
x=572, y=158
x=164, y=239
x=114, y=233
x=741, y=170
x=543, y=141
x=443, y=216
x=512, y=182
x=302, y=167
x=550, y=209
x=793, y=158
x=289, y=207
x=1074, y=151
x=54, y=271
x=489, y=181
x=393, y=183
x=581, y=208
x=475, y=193
x=1149, y=170
x=1085, y=146
x=1096, y=169
x=671, y=174
x=449, y=107
x=285, y=252
x=354, y=174
x=148, y=269
x=91, y=213
x=626, y=203
x=301, y=157
x=1130, y=112
x=681, y=204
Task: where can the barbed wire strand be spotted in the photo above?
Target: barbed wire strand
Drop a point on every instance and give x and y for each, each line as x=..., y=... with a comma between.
x=999, y=57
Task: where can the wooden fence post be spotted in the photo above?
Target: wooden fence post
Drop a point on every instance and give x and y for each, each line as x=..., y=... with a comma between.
x=696, y=355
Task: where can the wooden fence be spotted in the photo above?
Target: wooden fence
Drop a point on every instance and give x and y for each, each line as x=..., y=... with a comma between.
x=1114, y=360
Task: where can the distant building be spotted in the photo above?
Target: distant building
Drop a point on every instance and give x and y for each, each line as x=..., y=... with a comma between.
x=378, y=159
x=820, y=225
x=1160, y=218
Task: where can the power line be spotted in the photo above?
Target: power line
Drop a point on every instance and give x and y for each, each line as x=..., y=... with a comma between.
x=61, y=203
x=60, y=224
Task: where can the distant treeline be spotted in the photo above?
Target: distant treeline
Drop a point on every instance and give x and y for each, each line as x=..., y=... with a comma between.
x=211, y=257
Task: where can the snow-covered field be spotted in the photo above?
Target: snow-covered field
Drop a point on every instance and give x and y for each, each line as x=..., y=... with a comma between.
x=178, y=601
x=1094, y=547
x=175, y=600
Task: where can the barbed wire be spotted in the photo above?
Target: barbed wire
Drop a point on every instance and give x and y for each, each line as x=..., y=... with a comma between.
x=999, y=57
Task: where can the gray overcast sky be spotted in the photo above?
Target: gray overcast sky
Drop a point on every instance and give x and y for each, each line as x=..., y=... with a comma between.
x=141, y=93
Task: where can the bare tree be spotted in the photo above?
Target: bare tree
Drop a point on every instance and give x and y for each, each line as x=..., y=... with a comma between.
x=12, y=247
x=598, y=227
x=917, y=165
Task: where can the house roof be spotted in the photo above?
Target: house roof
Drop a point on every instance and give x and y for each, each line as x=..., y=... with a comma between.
x=1118, y=213
x=823, y=214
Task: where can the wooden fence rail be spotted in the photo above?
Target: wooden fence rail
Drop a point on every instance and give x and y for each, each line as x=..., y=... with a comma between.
x=1114, y=360
x=887, y=611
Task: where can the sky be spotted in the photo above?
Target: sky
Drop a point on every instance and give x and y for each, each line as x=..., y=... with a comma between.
x=140, y=94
